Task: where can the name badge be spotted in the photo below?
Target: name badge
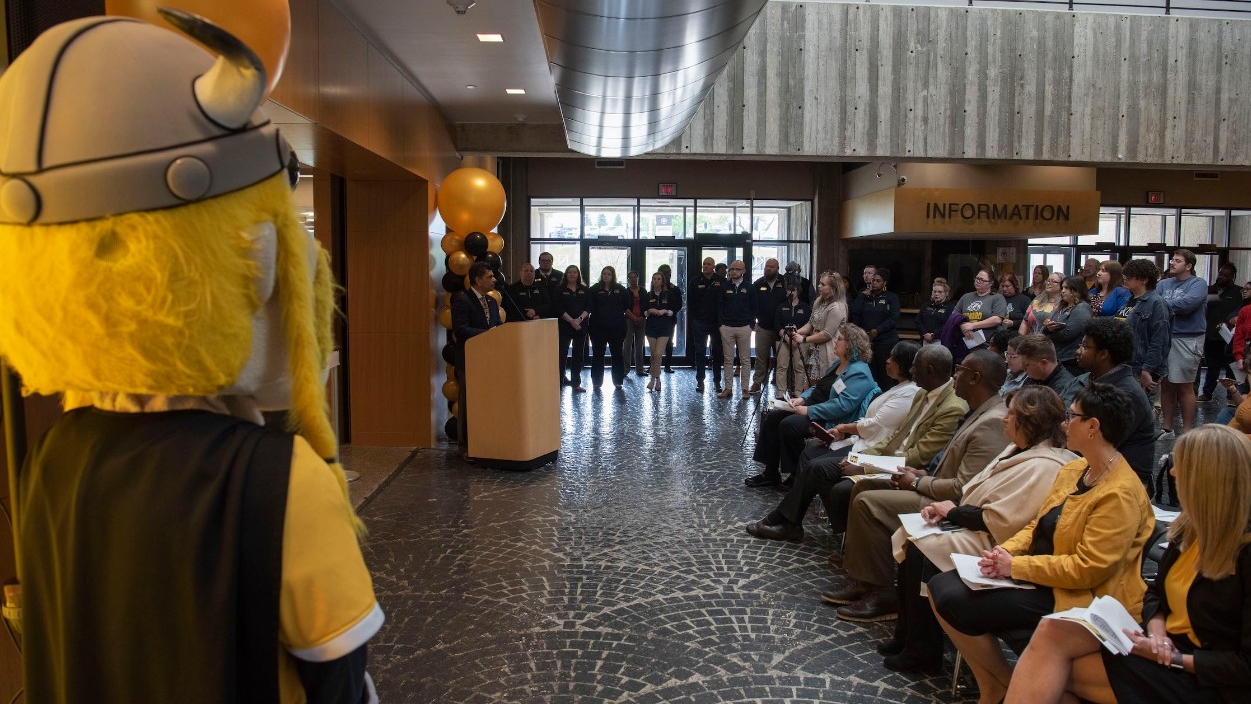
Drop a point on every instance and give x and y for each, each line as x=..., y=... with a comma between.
x=839, y=386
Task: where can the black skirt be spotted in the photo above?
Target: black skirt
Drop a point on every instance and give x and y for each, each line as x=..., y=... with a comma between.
x=1138, y=680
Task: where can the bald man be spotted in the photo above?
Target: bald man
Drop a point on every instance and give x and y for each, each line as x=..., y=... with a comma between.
x=736, y=321
x=768, y=292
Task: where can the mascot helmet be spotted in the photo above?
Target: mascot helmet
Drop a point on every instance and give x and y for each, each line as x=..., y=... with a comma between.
x=148, y=243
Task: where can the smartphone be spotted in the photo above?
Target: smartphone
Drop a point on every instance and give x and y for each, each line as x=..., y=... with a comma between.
x=820, y=433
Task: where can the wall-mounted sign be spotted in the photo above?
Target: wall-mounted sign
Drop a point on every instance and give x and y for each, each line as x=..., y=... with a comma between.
x=969, y=211
x=667, y=190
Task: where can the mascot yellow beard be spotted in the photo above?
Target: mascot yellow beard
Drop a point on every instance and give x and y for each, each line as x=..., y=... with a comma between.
x=151, y=262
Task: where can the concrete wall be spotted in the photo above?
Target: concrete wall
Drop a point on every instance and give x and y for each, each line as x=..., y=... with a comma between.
x=844, y=81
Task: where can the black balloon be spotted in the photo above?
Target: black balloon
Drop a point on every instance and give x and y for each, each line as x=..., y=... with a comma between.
x=495, y=261
x=450, y=429
x=449, y=353
x=476, y=244
x=453, y=282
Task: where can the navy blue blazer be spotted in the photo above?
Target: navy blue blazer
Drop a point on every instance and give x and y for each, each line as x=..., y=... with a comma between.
x=467, y=317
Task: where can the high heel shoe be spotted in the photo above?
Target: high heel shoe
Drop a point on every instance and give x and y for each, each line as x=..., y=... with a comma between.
x=651, y=384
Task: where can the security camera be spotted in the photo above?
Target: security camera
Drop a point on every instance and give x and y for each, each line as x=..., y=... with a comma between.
x=461, y=6
x=903, y=180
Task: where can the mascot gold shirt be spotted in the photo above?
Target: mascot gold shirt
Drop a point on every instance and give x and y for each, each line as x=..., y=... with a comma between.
x=172, y=548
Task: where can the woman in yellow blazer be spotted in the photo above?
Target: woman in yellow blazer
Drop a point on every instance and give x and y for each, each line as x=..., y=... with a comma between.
x=1086, y=541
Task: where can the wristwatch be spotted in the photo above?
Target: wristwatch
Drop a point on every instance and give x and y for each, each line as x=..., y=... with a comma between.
x=916, y=483
x=1177, y=661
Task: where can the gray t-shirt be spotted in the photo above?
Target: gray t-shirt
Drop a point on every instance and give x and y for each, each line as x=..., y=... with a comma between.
x=978, y=308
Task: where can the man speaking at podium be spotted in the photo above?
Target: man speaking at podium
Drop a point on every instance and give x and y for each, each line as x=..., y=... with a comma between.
x=473, y=313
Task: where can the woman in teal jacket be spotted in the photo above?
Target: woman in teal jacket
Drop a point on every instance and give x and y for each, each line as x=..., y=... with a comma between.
x=840, y=396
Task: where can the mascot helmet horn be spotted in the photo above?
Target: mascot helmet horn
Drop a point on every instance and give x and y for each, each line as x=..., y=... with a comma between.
x=77, y=148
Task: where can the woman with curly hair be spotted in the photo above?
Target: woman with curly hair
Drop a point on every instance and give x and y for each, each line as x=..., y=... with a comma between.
x=840, y=396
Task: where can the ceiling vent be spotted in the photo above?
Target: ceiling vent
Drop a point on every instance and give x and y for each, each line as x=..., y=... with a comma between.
x=630, y=74
x=1207, y=175
x=610, y=163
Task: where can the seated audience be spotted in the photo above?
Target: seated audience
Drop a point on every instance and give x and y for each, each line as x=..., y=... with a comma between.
x=887, y=411
x=1085, y=541
x=995, y=504
x=873, y=514
x=1038, y=359
x=1105, y=353
x=1196, y=639
x=931, y=420
x=837, y=397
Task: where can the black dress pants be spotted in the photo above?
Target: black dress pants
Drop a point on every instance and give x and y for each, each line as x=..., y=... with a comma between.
x=782, y=435
x=1216, y=359
x=819, y=473
x=612, y=340
x=917, y=628
x=705, y=336
x=578, y=339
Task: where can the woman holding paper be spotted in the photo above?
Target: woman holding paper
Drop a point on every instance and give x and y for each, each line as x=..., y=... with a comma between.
x=838, y=397
x=997, y=502
x=1197, y=641
x=1085, y=541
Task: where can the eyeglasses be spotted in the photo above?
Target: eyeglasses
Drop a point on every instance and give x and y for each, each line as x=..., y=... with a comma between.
x=1053, y=281
x=1070, y=415
x=980, y=280
x=960, y=368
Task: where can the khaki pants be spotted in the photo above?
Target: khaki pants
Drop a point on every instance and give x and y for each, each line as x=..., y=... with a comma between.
x=765, y=340
x=657, y=345
x=731, y=338
x=790, y=363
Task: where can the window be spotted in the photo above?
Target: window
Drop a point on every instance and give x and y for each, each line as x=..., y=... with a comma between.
x=609, y=218
x=723, y=217
x=555, y=218
x=666, y=218
x=1200, y=227
x=1149, y=226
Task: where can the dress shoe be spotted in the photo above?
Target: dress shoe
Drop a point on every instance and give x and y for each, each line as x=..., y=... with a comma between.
x=579, y=390
x=908, y=661
x=755, y=388
x=668, y=370
x=699, y=387
x=716, y=386
x=781, y=531
x=850, y=594
x=890, y=647
x=880, y=604
x=836, y=558
x=765, y=478
x=724, y=393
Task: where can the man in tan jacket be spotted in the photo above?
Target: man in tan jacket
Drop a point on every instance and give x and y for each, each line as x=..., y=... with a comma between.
x=876, y=505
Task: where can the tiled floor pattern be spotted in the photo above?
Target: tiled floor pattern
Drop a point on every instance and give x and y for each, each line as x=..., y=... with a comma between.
x=620, y=574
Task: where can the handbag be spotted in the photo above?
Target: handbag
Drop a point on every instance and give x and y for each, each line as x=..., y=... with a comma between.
x=812, y=365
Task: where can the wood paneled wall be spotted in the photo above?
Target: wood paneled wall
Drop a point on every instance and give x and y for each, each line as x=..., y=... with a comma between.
x=871, y=81
x=353, y=113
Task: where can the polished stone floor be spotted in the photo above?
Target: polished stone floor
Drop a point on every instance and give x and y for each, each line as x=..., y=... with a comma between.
x=622, y=573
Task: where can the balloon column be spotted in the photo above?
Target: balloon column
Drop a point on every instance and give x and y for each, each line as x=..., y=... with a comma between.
x=471, y=202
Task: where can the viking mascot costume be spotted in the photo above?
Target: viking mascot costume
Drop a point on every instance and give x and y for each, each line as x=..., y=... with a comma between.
x=172, y=549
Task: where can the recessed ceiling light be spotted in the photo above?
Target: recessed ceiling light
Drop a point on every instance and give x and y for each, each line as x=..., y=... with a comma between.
x=490, y=37
x=515, y=91
x=471, y=86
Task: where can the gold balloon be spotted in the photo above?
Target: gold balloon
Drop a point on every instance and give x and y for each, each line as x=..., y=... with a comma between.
x=445, y=318
x=452, y=242
x=495, y=243
x=459, y=263
x=451, y=390
x=264, y=25
x=503, y=315
x=471, y=200
x=496, y=295
x=455, y=409
x=447, y=299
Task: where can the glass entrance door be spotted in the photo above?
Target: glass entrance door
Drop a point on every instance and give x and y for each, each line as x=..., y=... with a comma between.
x=676, y=257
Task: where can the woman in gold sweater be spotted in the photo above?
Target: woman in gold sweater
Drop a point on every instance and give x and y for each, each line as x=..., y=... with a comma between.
x=1086, y=541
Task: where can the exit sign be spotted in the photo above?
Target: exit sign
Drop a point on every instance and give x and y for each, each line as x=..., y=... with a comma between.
x=1155, y=197
x=668, y=190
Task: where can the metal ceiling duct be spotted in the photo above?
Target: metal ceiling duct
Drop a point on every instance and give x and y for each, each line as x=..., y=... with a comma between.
x=630, y=74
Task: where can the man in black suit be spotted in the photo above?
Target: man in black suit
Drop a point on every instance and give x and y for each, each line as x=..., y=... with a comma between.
x=473, y=313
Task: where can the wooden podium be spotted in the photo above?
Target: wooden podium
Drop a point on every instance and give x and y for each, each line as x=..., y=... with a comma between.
x=513, y=395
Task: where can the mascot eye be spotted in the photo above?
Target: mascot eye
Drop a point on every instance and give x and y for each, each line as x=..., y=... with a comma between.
x=293, y=170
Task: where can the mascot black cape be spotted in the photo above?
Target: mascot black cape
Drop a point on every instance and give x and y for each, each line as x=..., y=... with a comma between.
x=152, y=270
